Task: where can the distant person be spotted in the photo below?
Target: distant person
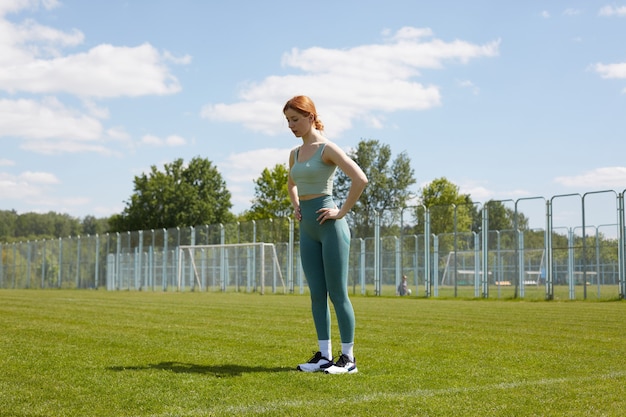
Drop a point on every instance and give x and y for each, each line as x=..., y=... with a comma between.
x=403, y=287
x=324, y=233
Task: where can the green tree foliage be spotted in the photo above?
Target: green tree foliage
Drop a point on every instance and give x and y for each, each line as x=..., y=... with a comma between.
x=180, y=195
x=503, y=224
x=8, y=224
x=448, y=208
x=502, y=217
x=39, y=226
x=51, y=225
x=271, y=198
x=93, y=226
x=271, y=207
x=389, y=185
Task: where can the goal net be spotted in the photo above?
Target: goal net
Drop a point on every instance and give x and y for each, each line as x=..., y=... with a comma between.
x=249, y=267
x=506, y=267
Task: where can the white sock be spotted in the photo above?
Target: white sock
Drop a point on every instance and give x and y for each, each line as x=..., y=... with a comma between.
x=348, y=349
x=326, y=348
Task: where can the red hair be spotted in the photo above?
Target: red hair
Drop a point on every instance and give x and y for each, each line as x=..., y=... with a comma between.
x=305, y=106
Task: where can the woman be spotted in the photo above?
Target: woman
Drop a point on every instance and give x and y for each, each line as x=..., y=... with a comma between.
x=324, y=233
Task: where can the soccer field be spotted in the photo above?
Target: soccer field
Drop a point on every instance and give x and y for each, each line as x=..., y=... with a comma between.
x=98, y=353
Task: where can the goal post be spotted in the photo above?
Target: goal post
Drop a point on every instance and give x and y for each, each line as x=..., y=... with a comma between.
x=248, y=267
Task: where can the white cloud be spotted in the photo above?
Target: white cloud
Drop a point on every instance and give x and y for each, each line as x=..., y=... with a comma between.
x=49, y=127
x=241, y=169
x=545, y=14
x=151, y=140
x=103, y=71
x=611, y=70
x=172, y=140
x=607, y=177
x=34, y=60
x=352, y=84
x=480, y=193
x=44, y=119
x=182, y=60
x=245, y=167
x=608, y=11
x=27, y=185
x=118, y=133
x=175, y=140
x=468, y=84
x=12, y=6
x=6, y=162
x=95, y=110
x=39, y=177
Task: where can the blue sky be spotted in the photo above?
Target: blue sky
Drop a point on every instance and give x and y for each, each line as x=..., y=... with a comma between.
x=507, y=100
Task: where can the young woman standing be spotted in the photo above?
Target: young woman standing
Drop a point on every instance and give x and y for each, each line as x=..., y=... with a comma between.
x=324, y=233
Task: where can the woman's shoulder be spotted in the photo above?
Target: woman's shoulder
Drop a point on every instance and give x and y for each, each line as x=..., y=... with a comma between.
x=329, y=144
x=332, y=147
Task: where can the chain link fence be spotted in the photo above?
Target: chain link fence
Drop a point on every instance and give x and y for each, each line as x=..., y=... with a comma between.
x=565, y=247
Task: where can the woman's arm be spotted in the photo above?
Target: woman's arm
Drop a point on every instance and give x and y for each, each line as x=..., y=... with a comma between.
x=293, y=189
x=358, y=180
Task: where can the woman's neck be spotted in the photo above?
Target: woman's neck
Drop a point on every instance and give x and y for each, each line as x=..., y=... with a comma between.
x=312, y=137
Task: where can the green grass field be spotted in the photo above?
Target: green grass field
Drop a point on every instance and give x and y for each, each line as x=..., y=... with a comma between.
x=98, y=353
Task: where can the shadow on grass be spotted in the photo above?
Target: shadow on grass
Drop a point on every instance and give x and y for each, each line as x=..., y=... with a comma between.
x=219, y=371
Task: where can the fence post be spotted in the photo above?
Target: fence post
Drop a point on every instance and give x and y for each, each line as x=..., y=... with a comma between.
x=290, y=255
x=477, y=277
x=377, y=285
x=43, y=263
x=485, y=253
x=427, y=269
x=97, y=266
x=548, y=245
x=60, y=277
x=621, y=263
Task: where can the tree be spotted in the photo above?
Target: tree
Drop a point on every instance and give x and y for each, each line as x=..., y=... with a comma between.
x=271, y=198
x=178, y=196
x=49, y=225
x=271, y=207
x=502, y=217
x=93, y=226
x=8, y=221
x=449, y=210
x=389, y=185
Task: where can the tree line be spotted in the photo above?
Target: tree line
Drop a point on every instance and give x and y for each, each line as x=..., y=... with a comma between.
x=37, y=226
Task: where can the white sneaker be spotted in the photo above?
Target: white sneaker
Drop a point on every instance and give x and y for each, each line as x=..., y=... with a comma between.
x=344, y=365
x=315, y=364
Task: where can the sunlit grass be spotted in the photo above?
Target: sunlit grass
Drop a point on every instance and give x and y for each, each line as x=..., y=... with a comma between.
x=97, y=353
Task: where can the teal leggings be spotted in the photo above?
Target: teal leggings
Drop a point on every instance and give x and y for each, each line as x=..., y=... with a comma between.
x=324, y=252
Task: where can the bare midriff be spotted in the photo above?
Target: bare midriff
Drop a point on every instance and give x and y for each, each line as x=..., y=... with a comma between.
x=310, y=196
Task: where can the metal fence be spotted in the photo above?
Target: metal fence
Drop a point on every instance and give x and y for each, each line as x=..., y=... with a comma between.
x=568, y=247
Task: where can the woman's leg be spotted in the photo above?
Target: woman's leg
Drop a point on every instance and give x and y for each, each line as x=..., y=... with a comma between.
x=336, y=252
x=313, y=266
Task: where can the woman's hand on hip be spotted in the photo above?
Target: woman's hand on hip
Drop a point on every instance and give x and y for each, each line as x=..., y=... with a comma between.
x=327, y=213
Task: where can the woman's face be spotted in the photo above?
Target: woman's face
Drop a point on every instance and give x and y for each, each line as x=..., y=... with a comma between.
x=299, y=124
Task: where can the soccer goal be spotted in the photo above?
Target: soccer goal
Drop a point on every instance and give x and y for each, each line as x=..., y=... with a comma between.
x=249, y=267
x=466, y=264
x=506, y=267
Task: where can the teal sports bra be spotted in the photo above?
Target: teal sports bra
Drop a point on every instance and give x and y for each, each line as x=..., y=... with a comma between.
x=313, y=176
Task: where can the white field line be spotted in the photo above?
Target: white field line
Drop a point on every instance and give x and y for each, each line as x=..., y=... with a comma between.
x=376, y=396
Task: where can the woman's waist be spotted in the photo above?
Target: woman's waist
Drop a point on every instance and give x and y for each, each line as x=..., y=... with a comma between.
x=308, y=197
x=316, y=201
